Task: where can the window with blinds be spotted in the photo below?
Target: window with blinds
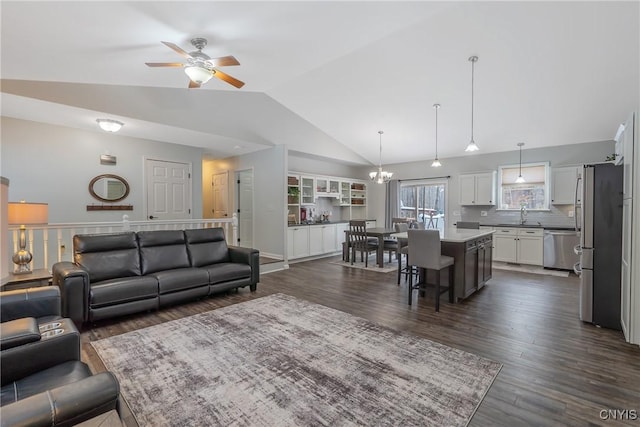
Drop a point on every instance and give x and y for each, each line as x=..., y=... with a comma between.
x=533, y=194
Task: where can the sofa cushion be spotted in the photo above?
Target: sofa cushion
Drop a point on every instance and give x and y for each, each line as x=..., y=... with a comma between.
x=107, y=256
x=206, y=246
x=162, y=250
x=125, y=289
x=180, y=279
x=64, y=373
x=225, y=271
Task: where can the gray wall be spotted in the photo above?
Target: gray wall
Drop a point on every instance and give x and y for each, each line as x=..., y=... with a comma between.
x=54, y=164
x=269, y=176
x=564, y=155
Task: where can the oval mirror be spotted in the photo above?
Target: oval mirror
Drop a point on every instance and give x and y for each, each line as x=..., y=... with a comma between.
x=109, y=188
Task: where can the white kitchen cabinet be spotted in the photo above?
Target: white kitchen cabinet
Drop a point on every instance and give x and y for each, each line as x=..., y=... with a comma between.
x=478, y=189
x=307, y=188
x=322, y=239
x=505, y=244
x=563, y=184
x=371, y=224
x=341, y=235
x=298, y=242
x=518, y=245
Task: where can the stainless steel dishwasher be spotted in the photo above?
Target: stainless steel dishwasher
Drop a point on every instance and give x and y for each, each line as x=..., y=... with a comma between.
x=558, y=248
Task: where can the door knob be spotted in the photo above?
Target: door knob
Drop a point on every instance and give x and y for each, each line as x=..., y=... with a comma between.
x=151, y=217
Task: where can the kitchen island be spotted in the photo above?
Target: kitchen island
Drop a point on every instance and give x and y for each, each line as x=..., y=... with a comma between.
x=472, y=251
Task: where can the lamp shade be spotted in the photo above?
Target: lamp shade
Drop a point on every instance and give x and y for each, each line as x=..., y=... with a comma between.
x=22, y=213
x=198, y=74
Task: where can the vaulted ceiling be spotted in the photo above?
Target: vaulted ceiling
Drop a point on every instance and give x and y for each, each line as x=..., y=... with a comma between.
x=324, y=77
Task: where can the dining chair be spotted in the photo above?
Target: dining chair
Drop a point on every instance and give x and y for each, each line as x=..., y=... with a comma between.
x=403, y=250
x=468, y=224
x=359, y=242
x=425, y=253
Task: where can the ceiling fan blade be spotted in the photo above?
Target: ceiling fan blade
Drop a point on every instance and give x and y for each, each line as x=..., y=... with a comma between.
x=164, y=64
x=227, y=78
x=224, y=61
x=177, y=49
x=193, y=85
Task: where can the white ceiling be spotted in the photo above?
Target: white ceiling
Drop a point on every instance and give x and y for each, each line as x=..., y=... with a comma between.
x=324, y=77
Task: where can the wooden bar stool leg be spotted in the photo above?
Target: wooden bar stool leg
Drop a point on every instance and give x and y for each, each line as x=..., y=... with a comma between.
x=410, y=288
x=451, y=282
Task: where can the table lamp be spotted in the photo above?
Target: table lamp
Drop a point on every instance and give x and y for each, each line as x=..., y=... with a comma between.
x=23, y=214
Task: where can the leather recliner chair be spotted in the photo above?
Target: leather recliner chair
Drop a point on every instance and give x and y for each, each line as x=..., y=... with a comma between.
x=44, y=383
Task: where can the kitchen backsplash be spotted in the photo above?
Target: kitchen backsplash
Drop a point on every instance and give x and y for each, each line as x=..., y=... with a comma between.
x=557, y=216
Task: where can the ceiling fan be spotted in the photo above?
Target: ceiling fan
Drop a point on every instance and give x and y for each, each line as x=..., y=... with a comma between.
x=199, y=66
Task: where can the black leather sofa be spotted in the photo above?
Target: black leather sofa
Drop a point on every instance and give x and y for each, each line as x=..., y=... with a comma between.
x=124, y=273
x=44, y=383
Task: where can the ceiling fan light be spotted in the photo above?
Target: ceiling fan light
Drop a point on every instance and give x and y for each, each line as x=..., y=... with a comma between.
x=198, y=74
x=109, y=125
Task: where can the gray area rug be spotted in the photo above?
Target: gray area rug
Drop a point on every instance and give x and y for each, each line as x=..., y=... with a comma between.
x=282, y=361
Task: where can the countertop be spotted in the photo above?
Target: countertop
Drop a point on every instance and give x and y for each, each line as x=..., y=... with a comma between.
x=532, y=225
x=325, y=223
x=455, y=235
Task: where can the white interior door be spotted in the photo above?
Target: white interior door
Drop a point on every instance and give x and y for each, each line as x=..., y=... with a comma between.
x=168, y=189
x=245, y=208
x=220, y=183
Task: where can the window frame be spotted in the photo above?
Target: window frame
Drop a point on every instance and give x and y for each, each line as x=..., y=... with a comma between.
x=547, y=186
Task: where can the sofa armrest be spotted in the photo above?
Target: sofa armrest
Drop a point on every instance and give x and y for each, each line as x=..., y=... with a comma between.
x=247, y=256
x=73, y=282
x=26, y=359
x=67, y=405
x=31, y=302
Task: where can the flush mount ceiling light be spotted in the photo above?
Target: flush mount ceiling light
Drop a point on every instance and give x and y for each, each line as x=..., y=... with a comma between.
x=379, y=176
x=109, y=125
x=472, y=146
x=436, y=163
x=520, y=179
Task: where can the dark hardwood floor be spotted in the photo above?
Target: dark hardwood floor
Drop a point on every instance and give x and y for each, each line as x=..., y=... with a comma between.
x=556, y=370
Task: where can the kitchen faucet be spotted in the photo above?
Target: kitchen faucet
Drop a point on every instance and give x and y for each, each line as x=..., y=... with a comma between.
x=523, y=214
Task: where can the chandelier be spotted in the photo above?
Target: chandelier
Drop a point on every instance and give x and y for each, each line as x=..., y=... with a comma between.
x=380, y=176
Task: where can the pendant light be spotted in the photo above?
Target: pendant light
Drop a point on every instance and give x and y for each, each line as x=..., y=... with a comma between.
x=379, y=176
x=436, y=163
x=472, y=144
x=520, y=179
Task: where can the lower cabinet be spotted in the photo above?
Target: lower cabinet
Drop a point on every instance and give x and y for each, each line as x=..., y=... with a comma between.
x=519, y=245
x=312, y=240
x=322, y=239
x=472, y=264
x=298, y=242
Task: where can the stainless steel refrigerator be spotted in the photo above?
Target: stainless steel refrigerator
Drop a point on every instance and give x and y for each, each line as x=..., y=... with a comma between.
x=601, y=244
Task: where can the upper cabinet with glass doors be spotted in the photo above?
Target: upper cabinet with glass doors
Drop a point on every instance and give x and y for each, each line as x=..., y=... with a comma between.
x=326, y=187
x=308, y=190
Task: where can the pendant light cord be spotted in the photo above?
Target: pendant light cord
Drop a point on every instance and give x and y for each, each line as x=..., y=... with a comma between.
x=380, y=164
x=473, y=63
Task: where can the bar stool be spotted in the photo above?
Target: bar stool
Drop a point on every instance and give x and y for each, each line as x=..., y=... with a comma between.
x=425, y=252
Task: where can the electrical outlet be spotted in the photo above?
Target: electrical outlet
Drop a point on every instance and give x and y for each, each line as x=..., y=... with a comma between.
x=483, y=213
x=456, y=213
x=570, y=214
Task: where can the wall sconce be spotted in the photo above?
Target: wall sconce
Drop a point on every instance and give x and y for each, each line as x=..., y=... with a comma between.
x=24, y=214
